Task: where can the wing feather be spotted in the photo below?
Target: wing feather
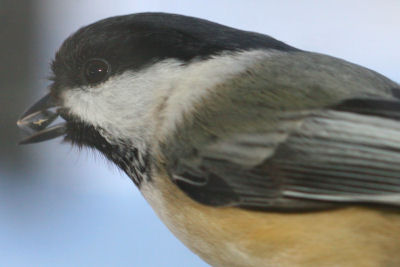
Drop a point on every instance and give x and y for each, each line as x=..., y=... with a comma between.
x=330, y=157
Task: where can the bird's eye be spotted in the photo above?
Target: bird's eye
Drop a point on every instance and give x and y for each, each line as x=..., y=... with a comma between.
x=96, y=70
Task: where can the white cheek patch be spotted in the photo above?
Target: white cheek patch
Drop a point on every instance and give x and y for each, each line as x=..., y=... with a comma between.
x=127, y=105
x=122, y=105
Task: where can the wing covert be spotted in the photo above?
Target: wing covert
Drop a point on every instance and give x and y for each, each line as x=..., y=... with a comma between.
x=326, y=158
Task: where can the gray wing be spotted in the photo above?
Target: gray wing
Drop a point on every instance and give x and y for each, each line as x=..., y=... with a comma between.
x=348, y=154
x=298, y=131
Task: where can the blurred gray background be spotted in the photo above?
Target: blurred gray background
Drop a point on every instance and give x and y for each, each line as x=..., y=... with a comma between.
x=62, y=207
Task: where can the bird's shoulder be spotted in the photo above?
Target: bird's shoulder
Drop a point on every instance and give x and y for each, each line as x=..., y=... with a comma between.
x=233, y=146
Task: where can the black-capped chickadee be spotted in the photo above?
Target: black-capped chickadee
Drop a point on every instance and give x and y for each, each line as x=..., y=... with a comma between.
x=252, y=152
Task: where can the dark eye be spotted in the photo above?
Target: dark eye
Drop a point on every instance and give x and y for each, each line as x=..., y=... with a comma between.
x=96, y=70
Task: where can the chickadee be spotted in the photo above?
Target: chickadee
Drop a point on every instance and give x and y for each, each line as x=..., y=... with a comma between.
x=251, y=151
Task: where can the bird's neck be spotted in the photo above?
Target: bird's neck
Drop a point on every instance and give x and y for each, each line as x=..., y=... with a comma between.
x=132, y=160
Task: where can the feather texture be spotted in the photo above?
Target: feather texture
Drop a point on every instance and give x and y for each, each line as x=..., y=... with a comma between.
x=255, y=143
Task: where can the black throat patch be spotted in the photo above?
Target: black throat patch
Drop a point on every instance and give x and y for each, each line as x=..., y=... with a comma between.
x=123, y=154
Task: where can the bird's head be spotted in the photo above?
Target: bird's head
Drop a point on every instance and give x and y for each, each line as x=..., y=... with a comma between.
x=110, y=79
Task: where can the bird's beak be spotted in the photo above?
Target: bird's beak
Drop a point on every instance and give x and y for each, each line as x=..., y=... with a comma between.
x=37, y=118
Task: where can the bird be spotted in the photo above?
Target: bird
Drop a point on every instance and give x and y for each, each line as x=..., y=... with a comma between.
x=251, y=151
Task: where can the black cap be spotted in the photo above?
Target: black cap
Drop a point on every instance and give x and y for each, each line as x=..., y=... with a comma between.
x=138, y=40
